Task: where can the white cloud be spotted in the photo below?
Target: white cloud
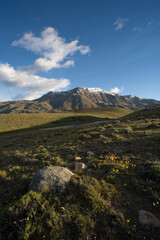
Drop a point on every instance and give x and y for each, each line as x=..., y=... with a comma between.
x=150, y=23
x=53, y=49
x=116, y=90
x=137, y=29
x=35, y=85
x=120, y=23
x=53, y=52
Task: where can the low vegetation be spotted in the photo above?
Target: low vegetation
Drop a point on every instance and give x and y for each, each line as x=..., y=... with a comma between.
x=102, y=201
x=10, y=122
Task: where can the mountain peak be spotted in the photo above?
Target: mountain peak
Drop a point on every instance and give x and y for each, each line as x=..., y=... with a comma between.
x=81, y=90
x=77, y=98
x=90, y=90
x=92, y=98
x=99, y=90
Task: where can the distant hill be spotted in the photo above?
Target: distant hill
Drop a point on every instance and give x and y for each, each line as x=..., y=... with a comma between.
x=77, y=98
x=25, y=107
x=148, y=113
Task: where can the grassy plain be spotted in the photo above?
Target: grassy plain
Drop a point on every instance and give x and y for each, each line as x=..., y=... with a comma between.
x=10, y=122
x=101, y=202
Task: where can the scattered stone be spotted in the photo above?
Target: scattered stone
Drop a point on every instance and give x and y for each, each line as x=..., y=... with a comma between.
x=52, y=178
x=148, y=218
x=78, y=158
x=90, y=153
x=79, y=166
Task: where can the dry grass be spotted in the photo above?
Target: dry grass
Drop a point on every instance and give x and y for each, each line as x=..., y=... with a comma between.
x=10, y=122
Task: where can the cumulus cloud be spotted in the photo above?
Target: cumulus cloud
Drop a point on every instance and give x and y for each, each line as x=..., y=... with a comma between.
x=120, y=23
x=34, y=84
x=53, y=52
x=116, y=90
x=53, y=49
x=137, y=29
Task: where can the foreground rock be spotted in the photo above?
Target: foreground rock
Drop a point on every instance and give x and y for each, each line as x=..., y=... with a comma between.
x=52, y=178
x=79, y=166
x=148, y=218
x=90, y=153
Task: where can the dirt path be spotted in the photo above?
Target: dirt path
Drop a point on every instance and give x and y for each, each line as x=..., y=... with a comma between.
x=74, y=125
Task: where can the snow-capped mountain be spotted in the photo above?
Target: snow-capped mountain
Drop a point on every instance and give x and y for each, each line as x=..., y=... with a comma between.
x=93, y=98
x=98, y=91
x=76, y=98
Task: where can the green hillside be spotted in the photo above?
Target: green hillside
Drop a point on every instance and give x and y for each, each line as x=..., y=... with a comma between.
x=9, y=122
x=146, y=113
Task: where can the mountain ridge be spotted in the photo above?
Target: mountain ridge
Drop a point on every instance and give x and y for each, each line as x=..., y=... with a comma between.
x=77, y=98
x=93, y=97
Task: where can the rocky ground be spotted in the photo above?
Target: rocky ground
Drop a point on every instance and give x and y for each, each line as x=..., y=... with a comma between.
x=116, y=168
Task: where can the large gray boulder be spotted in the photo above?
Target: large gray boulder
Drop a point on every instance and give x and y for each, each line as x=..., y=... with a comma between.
x=52, y=178
x=148, y=218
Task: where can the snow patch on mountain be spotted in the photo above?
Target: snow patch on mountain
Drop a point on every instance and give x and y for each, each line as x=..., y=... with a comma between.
x=82, y=90
x=132, y=97
x=98, y=91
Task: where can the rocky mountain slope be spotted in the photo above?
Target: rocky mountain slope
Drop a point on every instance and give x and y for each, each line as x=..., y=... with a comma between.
x=76, y=98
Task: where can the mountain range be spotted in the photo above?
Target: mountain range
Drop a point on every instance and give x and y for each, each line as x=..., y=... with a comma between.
x=75, y=99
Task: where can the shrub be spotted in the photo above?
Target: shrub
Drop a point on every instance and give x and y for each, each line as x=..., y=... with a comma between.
x=80, y=212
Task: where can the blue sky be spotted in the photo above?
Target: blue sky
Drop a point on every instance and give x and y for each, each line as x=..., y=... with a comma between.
x=62, y=44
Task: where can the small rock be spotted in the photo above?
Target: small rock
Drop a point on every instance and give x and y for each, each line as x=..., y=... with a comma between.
x=79, y=166
x=52, y=178
x=90, y=153
x=148, y=218
x=78, y=158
